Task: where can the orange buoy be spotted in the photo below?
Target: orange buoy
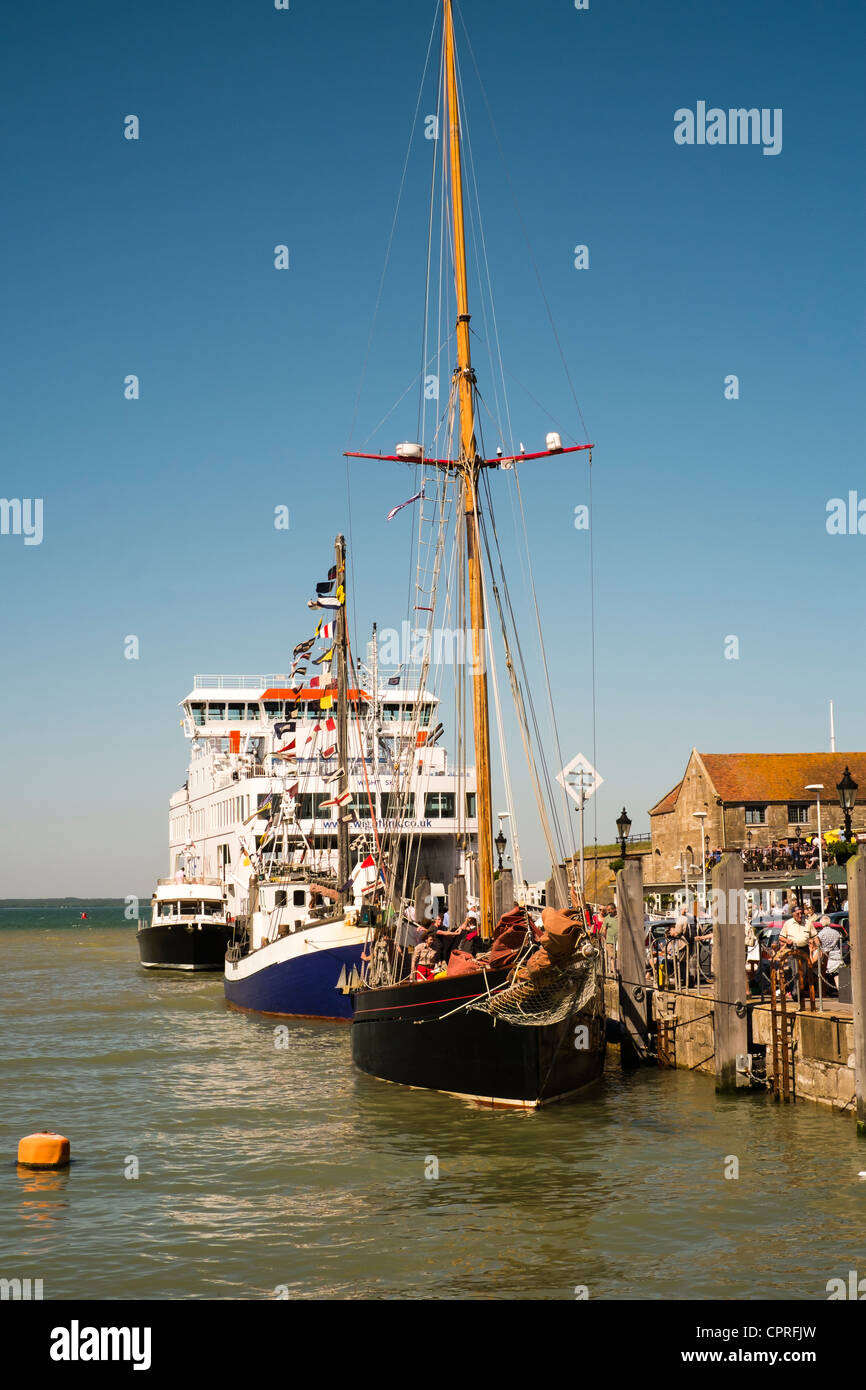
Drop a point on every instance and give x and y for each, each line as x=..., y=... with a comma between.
x=43, y=1150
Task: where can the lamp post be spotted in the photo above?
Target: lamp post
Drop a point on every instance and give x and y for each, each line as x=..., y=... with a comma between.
x=500, y=843
x=847, y=790
x=581, y=801
x=623, y=826
x=819, y=787
x=701, y=816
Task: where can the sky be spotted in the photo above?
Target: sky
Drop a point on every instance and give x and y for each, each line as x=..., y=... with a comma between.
x=261, y=127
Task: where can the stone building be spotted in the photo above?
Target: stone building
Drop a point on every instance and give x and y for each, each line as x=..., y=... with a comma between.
x=751, y=800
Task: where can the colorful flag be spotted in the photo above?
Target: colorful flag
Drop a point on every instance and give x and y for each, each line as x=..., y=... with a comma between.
x=286, y=748
x=348, y=819
x=293, y=789
x=303, y=646
x=323, y=602
x=393, y=680
x=326, y=702
x=327, y=630
x=326, y=656
x=340, y=800
x=325, y=587
x=315, y=682
x=394, y=510
x=329, y=752
x=330, y=724
x=368, y=863
x=332, y=572
x=286, y=726
x=335, y=776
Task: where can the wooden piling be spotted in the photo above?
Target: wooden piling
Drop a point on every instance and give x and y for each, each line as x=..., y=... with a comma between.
x=857, y=934
x=423, y=913
x=634, y=992
x=730, y=990
x=503, y=894
x=457, y=901
x=556, y=889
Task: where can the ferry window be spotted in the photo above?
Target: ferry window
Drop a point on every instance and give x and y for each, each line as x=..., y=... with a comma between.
x=440, y=804
x=390, y=713
x=309, y=804
x=210, y=909
x=273, y=709
x=216, y=711
x=471, y=805
x=424, y=717
x=253, y=712
x=236, y=712
x=394, y=805
x=298, y=897
x=280, y=898
x=197, y=713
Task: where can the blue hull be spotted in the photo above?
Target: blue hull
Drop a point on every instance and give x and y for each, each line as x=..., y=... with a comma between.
x=301, y=988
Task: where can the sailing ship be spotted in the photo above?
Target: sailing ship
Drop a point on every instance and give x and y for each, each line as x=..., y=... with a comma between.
x=522, y=1024
x=287, y=774
x=355, y=769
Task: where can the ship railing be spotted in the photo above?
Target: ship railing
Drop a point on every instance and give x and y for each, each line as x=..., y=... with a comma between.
x=219, y=682
x=187, y=882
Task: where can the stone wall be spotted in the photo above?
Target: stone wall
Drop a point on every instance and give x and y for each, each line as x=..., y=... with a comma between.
x=674, y=830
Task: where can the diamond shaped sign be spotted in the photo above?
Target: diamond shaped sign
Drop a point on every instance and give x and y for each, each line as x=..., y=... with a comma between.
x=570, y=777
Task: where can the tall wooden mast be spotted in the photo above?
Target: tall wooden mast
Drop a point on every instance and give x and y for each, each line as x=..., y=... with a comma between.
x=469, y=465
x=341, y=645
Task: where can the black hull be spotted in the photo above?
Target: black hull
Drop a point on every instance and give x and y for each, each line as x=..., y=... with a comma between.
x=183, y=947
x=404, y=1033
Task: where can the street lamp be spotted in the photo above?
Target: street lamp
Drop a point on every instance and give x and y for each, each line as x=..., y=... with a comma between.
x=701, y=816
x=581, y=802
x=847, y=790
x=623, y=825
x=819, y=787
x=500, y=843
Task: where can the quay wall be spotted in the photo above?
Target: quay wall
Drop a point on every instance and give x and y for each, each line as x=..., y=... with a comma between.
x=823, y=1043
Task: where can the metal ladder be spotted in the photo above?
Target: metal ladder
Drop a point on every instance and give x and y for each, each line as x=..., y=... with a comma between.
x=782, y=1021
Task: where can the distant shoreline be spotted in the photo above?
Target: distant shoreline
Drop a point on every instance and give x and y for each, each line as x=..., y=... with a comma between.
x=70, y=902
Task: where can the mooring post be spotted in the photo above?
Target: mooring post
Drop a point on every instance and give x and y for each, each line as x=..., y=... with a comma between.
x=457, y=902
x=503, y=894
x=556, y=888
x=857, y=934
x=730, y=1024
x=634, y=993
x=423, y=903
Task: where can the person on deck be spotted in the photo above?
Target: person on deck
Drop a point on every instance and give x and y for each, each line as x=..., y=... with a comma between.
x=445, y=938
x=469, y=939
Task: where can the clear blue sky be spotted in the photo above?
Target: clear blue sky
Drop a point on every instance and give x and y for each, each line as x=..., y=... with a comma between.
x=155, y=257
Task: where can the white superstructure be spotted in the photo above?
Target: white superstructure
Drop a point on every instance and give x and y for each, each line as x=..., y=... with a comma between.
x=257, y=742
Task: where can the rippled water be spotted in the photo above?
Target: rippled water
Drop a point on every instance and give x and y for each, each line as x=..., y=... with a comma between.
x=262, y=1168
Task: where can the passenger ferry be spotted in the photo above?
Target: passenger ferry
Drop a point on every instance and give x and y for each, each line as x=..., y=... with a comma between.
x=256, y=818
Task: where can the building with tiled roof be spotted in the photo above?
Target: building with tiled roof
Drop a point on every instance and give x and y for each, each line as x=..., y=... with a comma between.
x=751, y=800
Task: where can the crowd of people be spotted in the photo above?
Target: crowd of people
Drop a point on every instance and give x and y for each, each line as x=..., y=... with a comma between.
x=779, y=855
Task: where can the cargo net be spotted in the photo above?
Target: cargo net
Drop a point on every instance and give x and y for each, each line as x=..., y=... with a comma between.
x=549, y=994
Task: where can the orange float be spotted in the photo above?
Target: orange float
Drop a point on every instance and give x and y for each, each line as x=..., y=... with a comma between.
x=43, y=1150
